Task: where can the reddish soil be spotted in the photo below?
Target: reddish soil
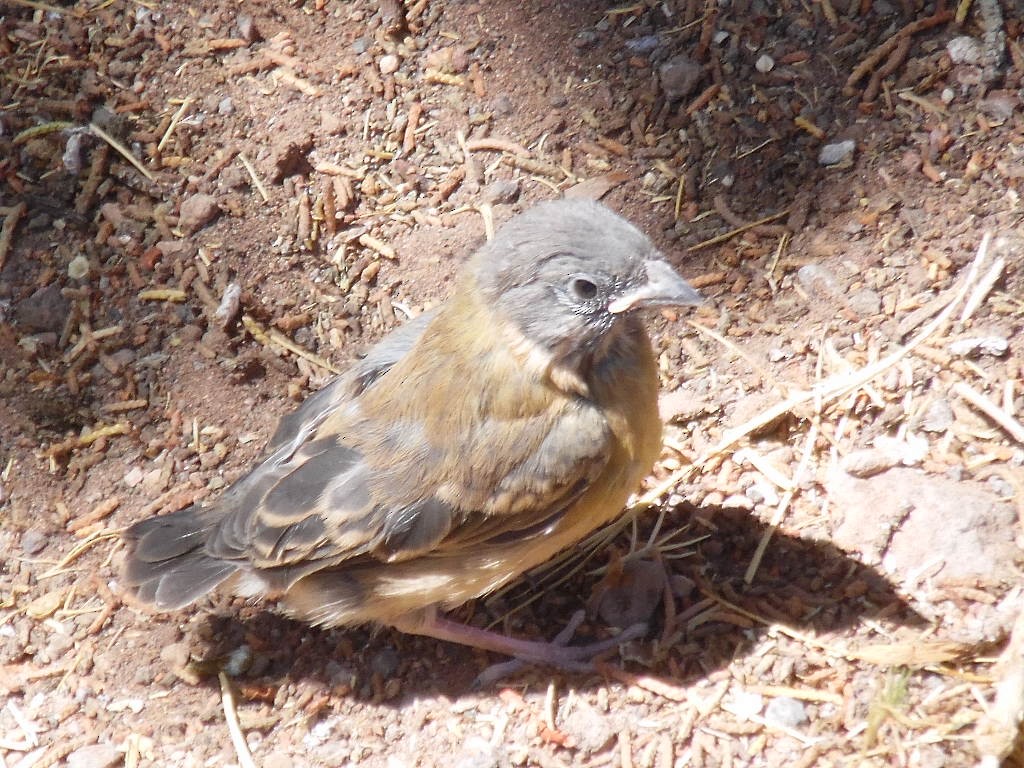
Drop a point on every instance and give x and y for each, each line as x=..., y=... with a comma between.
x=850, y=397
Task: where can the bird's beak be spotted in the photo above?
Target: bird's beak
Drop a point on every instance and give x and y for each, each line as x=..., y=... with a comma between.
x=663, y=288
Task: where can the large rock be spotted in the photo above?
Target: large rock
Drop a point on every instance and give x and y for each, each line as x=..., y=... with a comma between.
x=911, y=522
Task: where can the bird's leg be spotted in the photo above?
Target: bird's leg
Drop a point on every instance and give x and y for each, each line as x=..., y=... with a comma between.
x=555, y=654
x=504, y=669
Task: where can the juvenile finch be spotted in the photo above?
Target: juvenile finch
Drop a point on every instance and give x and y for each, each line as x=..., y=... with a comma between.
x=467, y=447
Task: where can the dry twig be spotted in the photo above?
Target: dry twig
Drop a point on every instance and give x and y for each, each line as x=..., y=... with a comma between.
x=11, y=217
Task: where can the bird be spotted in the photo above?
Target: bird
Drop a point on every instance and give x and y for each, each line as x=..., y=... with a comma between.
x=468, y=446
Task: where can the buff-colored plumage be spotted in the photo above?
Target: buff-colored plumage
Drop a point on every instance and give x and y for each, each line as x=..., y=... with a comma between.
x=467, y=447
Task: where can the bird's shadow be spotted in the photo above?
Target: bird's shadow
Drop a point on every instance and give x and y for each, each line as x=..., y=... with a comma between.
x=810, y=586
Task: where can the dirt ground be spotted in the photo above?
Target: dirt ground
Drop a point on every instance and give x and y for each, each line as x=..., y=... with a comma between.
x=829, y=551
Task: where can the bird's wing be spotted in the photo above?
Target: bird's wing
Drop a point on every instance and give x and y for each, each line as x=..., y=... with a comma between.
x=510, y=479
x=258, y=519
x=389, y=490
x=295, y=428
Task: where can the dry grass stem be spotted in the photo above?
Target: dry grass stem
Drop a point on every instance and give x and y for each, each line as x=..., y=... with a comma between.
x=122, y=150
x=825, y=391
x=234, y=728
x=260, y=188
x=1012, y=427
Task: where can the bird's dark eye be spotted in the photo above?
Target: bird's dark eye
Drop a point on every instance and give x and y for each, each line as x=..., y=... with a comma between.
x=582, y=288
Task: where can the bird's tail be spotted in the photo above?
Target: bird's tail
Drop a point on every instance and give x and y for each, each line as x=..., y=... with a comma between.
x=167, y=565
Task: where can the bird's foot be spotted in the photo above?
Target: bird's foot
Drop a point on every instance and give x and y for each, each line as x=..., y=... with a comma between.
x=556, y=653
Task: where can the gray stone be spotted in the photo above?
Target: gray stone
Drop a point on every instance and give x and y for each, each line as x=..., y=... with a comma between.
x=865, y=302
x=46, y=309
x=634, y=596
x=500, y=191
x=965, y=50
x=785, y=711
x=33, y=541
x=679, y=77
x=834, y=154
x=938, y=416
x=643, y=45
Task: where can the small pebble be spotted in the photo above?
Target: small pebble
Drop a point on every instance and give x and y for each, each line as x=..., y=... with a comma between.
x=58, y=645
x=238, y=661
x=865, y=302
x=502, y=105
x=585, y=39
x=834, y=154
x=190, y=333
x=385, y=662
x=331, y=123
x=230, y=305
x=1000, y=105
x=911, y=449
x=94, y=756
x=786, y=711
x=226, y=106
x=938, y=417
x=993, y=346
x=746, y=705
x=764, y=64
x=500, y=191
x=113, y=214
x=818, y=281
x=175, y=655
x=278, y=760
x=643, y=45
x=589, y=729
x=868, y=462
x=33, y=541
x=196, y=212
x=762, y=493
x=738, y=501
x=342, y=674
x=388, y=64
x=78, y=269
x=1001, y=487
x=965, y=50
x=45, y=310
x=634, y=596
x=247, y=28
x=679, y=77
x=133, y=477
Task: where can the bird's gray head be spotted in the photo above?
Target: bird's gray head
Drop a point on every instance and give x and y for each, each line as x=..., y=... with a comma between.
x=568, y=272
